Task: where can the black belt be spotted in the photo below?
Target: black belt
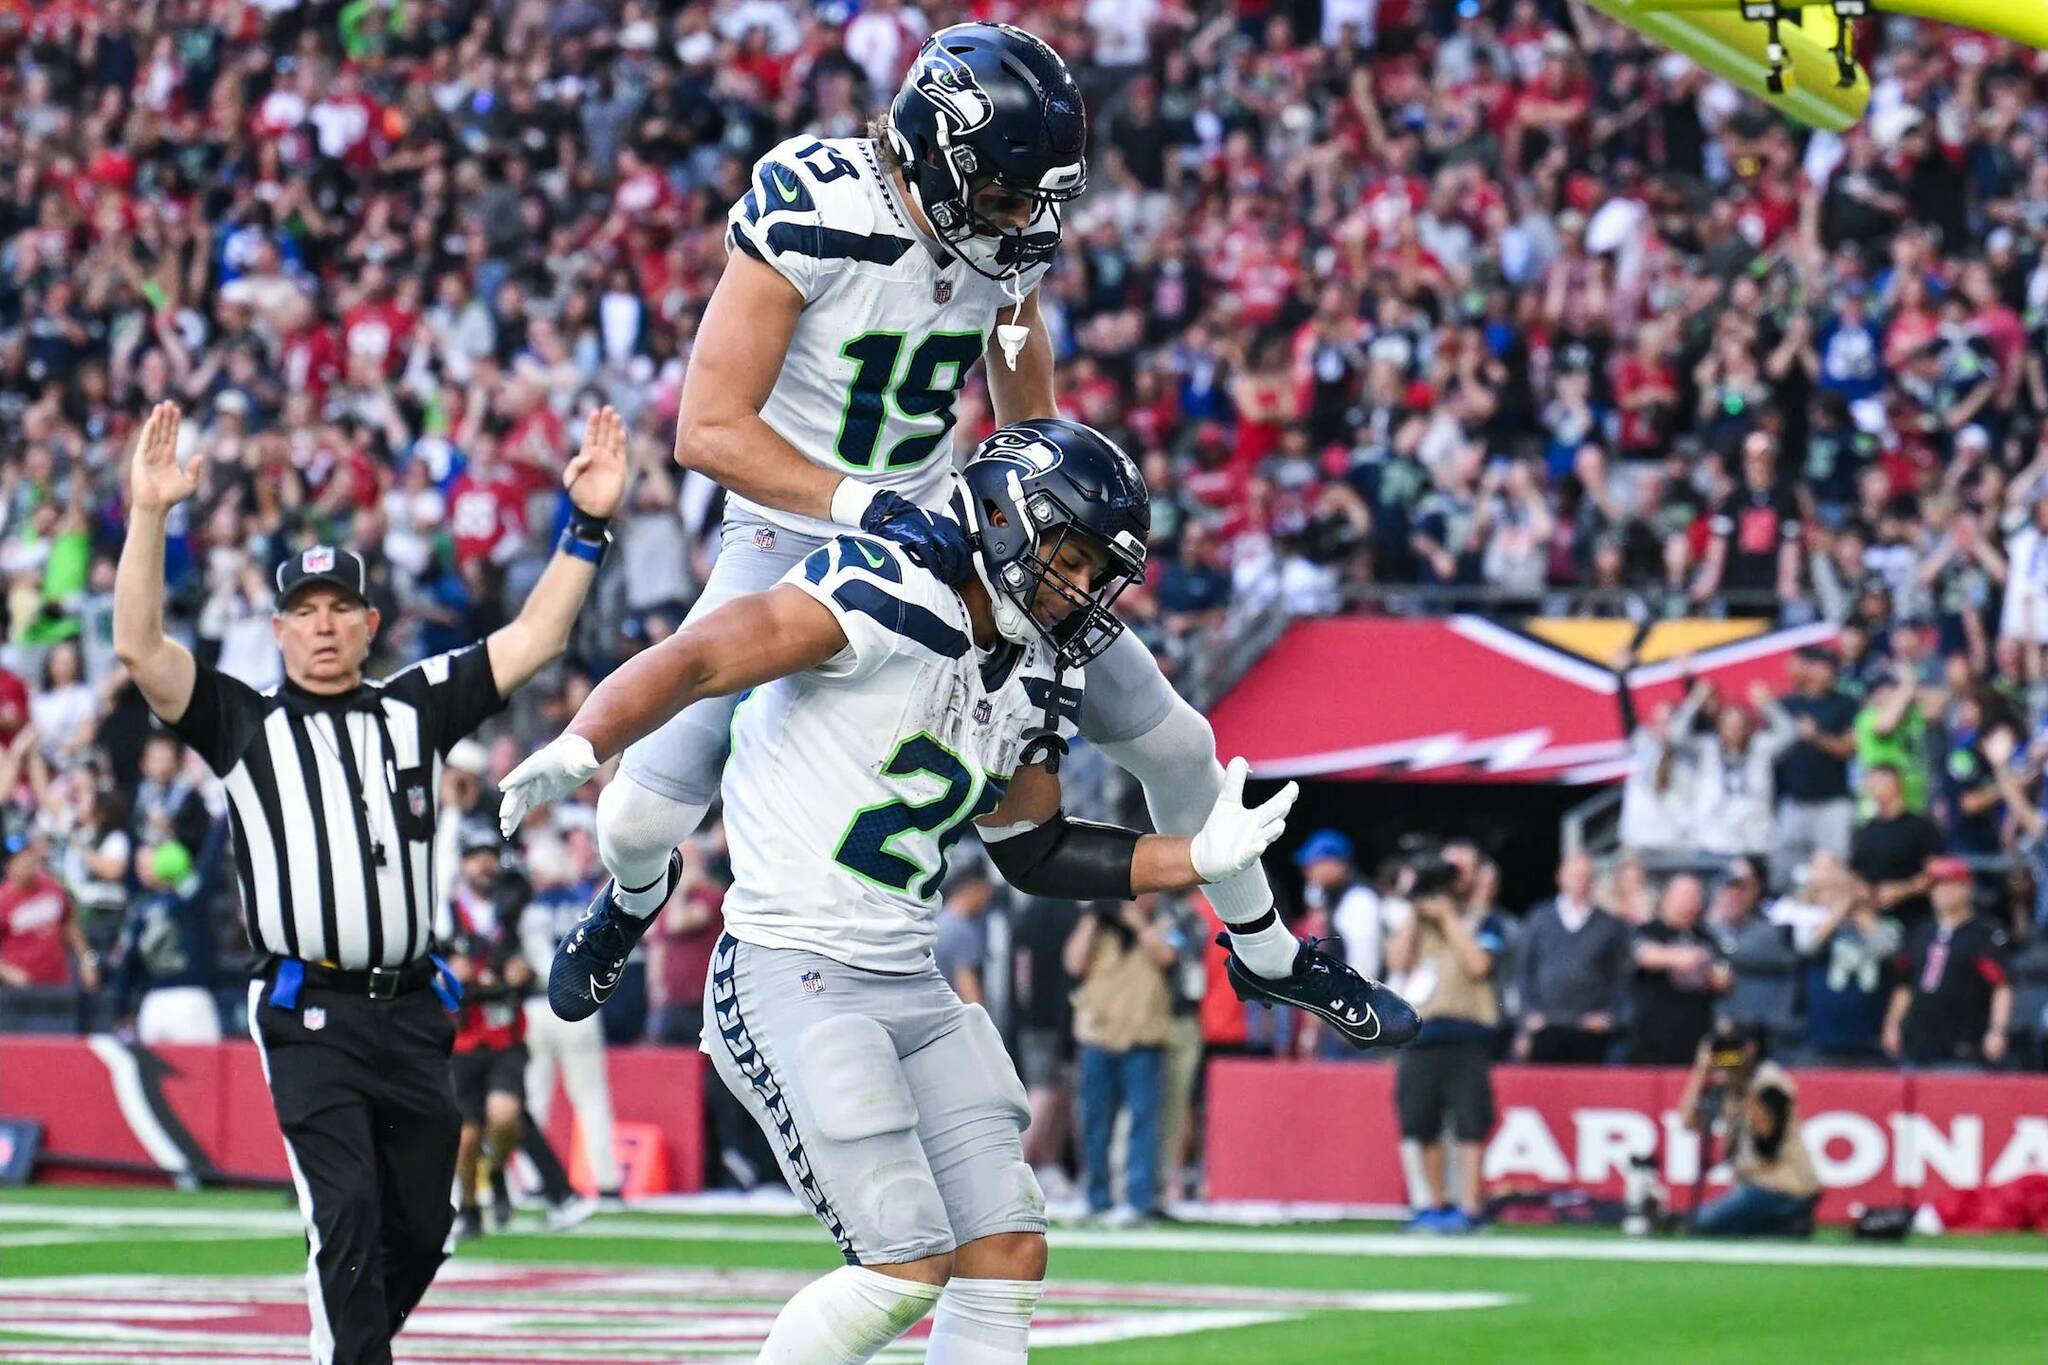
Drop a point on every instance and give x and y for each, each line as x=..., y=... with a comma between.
x=378, y=983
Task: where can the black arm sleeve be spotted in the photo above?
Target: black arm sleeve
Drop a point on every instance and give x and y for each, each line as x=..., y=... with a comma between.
x=1064, y=859
x=223, y=715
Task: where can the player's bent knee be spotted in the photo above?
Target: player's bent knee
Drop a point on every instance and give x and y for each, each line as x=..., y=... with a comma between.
x=1003, y=1256
x=636, y=825
x=924, y=1270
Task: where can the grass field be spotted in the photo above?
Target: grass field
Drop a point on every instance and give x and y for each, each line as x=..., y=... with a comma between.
x=157, y=1276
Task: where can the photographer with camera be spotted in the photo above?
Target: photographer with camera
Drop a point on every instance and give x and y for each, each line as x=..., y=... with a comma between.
x=1754, y=1104
x=1120, y=953
x=1447, y=947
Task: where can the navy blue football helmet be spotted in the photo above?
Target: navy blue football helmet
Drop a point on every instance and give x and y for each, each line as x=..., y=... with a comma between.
x=988, y=104
x=1028, y=489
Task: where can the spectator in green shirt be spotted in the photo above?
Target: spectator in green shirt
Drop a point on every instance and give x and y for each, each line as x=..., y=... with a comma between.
x=1891, y=730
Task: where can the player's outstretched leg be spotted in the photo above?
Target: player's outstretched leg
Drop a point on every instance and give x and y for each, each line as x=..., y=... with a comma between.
x=590, y=960
x=1366, y=1013
x=1149, y=731
x=638, y=829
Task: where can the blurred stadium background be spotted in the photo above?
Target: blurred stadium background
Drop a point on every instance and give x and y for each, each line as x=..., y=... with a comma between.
x=1507, y=381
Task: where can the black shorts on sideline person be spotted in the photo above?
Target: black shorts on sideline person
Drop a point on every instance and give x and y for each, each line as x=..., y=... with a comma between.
x=1435, y=1079
x=484, y=1072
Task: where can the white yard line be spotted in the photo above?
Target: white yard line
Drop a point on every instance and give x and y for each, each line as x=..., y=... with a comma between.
x=1489, y=1246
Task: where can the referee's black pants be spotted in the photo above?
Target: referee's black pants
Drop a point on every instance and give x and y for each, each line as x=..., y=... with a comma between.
x=362, y=1093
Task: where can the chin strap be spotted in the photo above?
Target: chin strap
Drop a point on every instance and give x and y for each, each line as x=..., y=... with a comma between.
x=1046, y=744
x=1009, y=335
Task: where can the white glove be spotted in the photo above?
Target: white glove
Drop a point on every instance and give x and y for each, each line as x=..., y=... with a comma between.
x=1232, y=838
x=554, y=772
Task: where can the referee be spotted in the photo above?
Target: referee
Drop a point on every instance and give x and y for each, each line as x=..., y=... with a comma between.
x=331, y=781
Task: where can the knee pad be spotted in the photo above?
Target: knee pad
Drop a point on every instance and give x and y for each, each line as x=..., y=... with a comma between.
x=637, y=827
x=867, y=1118
x=856, y=1084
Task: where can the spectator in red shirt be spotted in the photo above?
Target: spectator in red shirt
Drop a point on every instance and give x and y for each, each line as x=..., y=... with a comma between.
x=379, y=327
x=13, y=706
x=1646, y=392
x=486, y=514
x=683, y=939
x=39, y=940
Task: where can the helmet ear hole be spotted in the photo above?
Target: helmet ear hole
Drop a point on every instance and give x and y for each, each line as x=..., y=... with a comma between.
x=992, y=515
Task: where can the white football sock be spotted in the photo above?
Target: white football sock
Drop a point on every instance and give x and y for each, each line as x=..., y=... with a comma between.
x=637, y=830
x=1175, y=761
x=845, y=1317
x=983, y=1322
x=1269, y=951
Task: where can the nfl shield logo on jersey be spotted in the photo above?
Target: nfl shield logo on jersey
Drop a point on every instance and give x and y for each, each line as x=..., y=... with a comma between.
x=942, y=292
x=315, y=1018
x=764, y=537
x=416, y=802
x=813, y=982
x=983, y=712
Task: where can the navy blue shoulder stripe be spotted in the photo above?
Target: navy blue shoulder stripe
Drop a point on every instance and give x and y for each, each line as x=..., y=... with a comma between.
x=905, y=618
x=745, y=243
x=750, y=207
x=783, y=190
x=836, y=244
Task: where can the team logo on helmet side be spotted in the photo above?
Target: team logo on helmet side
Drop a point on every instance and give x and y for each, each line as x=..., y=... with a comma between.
x=949, y=85
x=1026, y=447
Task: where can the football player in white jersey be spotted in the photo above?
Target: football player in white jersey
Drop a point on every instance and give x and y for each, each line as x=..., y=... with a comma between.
x=885, y=710
x=866, y=276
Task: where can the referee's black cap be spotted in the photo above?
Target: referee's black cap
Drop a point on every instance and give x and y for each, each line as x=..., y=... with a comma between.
x=322, y=564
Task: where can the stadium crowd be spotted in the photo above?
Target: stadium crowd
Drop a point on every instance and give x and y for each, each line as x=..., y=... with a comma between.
x=1404, y=307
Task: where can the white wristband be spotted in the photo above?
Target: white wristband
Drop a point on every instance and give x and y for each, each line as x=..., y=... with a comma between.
x=850, y=501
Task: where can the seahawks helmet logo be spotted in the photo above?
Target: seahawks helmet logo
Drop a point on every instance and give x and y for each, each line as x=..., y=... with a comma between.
x=948, y=84
x=1026, y=447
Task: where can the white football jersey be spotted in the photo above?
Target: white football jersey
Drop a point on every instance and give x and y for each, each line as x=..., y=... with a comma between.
x=849, y=782
x=887, y=333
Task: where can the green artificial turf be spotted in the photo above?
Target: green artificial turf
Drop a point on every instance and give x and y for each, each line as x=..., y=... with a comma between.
x=1562, y=1309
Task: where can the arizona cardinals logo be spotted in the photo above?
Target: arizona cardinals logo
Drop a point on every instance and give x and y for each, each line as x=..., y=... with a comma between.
x=949, y=85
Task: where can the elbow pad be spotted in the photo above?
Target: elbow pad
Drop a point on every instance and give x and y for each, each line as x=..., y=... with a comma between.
x=1066, y=859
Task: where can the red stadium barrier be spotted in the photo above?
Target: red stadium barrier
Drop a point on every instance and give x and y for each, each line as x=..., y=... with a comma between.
x=1877, y=1136
x=205, y=1110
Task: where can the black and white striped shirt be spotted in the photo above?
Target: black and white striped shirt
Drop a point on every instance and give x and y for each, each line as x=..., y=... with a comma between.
x=332, y=800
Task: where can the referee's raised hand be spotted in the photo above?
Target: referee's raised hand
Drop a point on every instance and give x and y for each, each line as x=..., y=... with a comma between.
x=596, y=478
x=157, y=483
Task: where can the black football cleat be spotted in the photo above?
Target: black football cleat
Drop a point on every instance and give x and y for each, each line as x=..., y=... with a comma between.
x=1365, y=1012
x=592, y=958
